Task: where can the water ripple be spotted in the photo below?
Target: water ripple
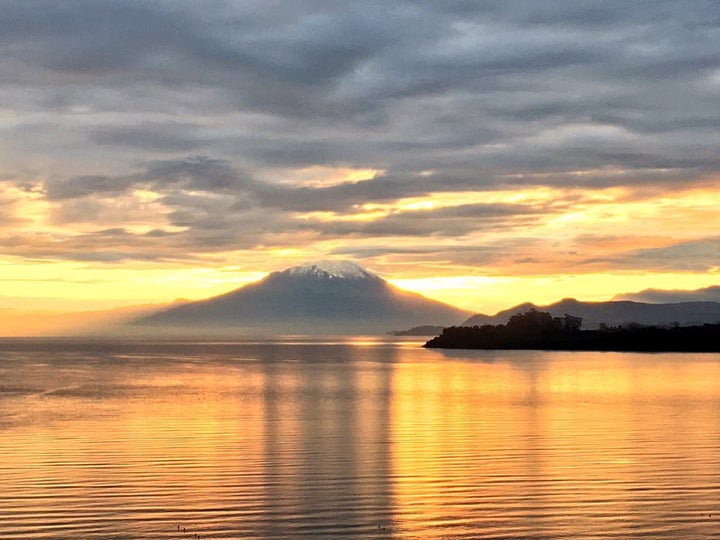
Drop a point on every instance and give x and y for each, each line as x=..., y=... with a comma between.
x=329, y=440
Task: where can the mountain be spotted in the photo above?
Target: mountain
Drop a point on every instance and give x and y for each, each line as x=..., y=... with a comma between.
x=673, y=296
x=315, y=298
x=425, y=330
x=615, y=313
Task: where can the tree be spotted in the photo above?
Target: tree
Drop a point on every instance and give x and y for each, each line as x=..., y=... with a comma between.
x=571, y=323
x=533, y=324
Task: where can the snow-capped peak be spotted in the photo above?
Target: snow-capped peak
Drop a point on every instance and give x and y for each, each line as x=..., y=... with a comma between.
x=332, y=270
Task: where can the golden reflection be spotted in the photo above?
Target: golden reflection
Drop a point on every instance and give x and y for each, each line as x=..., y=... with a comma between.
x=345, y=440
x=558, y=442
x=363, y=341
x=166, y=442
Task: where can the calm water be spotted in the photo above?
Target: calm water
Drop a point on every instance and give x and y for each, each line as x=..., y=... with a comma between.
x=354, y=439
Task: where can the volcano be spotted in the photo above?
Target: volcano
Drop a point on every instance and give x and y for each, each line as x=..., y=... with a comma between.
x=335, y=297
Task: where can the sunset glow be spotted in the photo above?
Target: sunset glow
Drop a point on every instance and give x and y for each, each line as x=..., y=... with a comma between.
x=550, y=179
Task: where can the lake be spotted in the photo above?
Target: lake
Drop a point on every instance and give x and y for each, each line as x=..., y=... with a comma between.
x=354, y=438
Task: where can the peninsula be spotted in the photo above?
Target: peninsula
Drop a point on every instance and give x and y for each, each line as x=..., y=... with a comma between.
x=537, y=330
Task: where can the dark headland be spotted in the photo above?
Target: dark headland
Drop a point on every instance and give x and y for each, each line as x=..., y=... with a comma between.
x=537, y=330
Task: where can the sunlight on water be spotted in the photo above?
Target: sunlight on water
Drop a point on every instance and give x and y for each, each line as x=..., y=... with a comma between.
x=365, y=439
x=551, y=445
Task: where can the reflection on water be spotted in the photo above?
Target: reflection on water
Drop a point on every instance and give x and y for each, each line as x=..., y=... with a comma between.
x=354, y=439
x=549, y=445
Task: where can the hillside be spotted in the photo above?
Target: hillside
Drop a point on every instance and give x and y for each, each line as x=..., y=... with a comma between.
x=614, y=313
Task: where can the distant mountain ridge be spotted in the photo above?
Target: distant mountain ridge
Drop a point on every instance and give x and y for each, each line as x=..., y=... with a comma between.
x=614, y=313
x=316, y=298
x=667, y=296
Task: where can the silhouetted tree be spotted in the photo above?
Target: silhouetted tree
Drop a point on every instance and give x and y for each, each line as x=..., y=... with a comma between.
x=533, y=324
x=571, y=323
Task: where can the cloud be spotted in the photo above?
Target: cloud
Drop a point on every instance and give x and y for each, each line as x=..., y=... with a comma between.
x=451, y=221
x=87, y=185
x=692, y=256
x=202, y=194
x=192, y=173
x=196, y=173
x=161, y=137
x=189, y=119
x=12, y=197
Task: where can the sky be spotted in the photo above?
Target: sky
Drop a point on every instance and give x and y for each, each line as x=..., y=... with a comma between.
x=481, y=153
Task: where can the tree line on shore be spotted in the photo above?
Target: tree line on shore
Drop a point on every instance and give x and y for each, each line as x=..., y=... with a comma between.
x=540, y=330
